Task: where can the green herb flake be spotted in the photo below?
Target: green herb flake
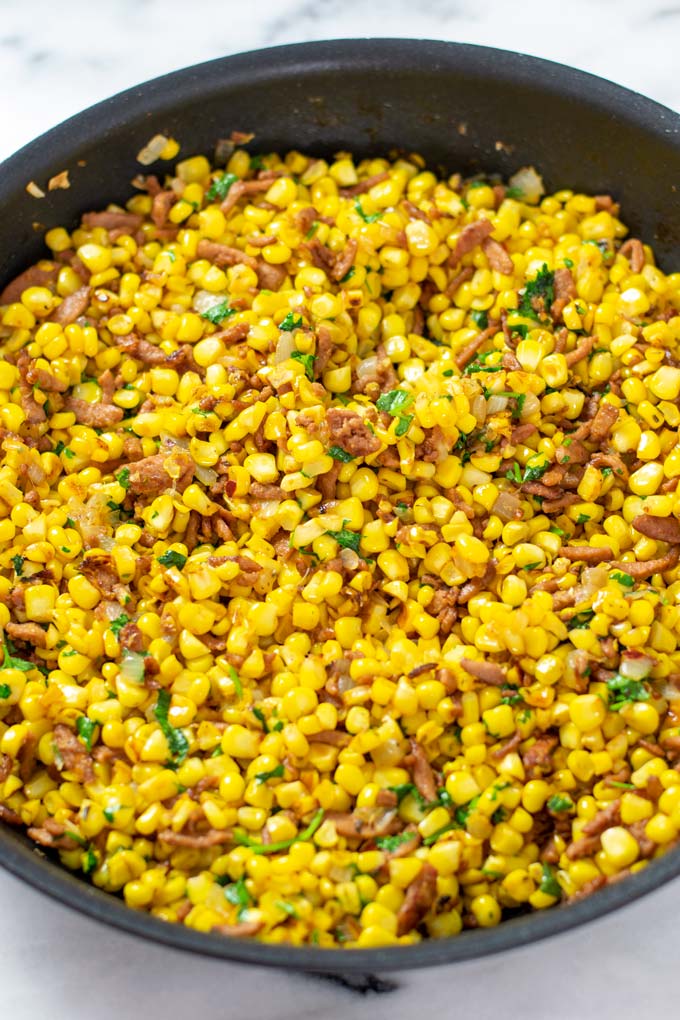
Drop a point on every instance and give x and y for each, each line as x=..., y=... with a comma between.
x=236, y=893
x=218, y=313
x=403, y=424
x=625, y=691
x=549, y=884
x=348, y=275
x=558, y=802
x=582, y=519
x=274, y=773
x=287, y=908
x=86, y=728
x=89, y=862
x=366, y=217
x=395, y=402
x=447, y=373
x=177, y=742
x=440, y=832
x=337, y=453
x=123, y=478
x=569, y=264
x=408, y=789
x=621, y=786
x=514, y=474
x=390, y=843
x=236, y=680
x=68, y=452
x=625, y=579
x=346, y=539
x=18, y=563
x=581, y=620
x=541, y=287
x=532, y=474
x=220, y=187
x=117, y=625
x=5, y=691
x=307, y=361
x=261, y=718
x=312, y=230
x=172, y=558
x=290, y=322
x=10, y=661
x=284, y=844
x=515, y=193
x=480, y=319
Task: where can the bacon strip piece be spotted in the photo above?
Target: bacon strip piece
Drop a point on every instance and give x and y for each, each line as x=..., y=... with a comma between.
x=663, y=529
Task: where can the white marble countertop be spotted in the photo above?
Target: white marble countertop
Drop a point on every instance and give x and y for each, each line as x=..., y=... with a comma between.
x=56, y=59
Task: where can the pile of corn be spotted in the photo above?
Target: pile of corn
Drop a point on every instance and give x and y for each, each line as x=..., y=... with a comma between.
x=313, y=628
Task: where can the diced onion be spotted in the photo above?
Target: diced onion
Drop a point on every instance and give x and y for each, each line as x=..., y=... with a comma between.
x=529, y=182
x=152, y=150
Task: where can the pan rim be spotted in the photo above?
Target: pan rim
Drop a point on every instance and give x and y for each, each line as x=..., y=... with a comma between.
x=159, y=96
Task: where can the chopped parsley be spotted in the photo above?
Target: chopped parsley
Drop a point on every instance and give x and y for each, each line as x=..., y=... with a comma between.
x=480, y=319
x=514, y=193
x=541, y=287
x=220, y=187
x=440, y=832
x=5, y=691
x=123, y=478
x=582, y=519
x=463, y=812
x=337, y=453
x=86, y=728
x=177, y=742
x=581, y=620
x=568, y=263
x=603, y=247
x=348, y=275
x=395, y=402
x=236, y=680
x=172, y=558
x=406, y=789
x=18, y=563
x=218, y=313
x=10, y=661
x=261, y=718
x=514, y=474
x=236, y=893
x=390, y=843
x=274, y=848
x=520, y=328
x=366, y=217
x=346, y=539
x=625, y=691
x=117, y=625
x=549, y=884
x=312, y=230
x=290, y=322
x=275, y=773
x=90, y=862
x=560, y=803
x=557, y=531
x=307, y=361
x=625, y=579
x=287, y=908
x=532, y=474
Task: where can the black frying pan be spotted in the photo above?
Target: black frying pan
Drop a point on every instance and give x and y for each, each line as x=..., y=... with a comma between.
x=462, y=107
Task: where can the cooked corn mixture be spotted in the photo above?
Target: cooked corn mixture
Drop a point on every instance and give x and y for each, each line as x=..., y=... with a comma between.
x=339, y=549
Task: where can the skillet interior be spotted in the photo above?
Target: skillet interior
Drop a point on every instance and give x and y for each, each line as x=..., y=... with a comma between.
x=463, y=108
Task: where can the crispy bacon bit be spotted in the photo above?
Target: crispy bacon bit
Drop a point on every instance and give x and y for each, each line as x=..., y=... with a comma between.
x=508, y=747
x=141, y=349
x=35, y=413
x=223, y=254
x=240, y=189
x=634, y=251
x=336, y=738
x=587, y=553
x=423, y=776
x=94, y=415
x=465, y=274
x=238, y=931
x=645, y=568
x=364, y=185
x=607, y=204
x=10, y=817
x=6, y=766
x=55, y=835
x=355, y=826
x=44, y=380
x=32, y=277
x=663, y=529
x=581, y=351
x=349, y=431
x=420, y=897
x=196, y=841
x=74, y=754
x=584, y=847
x=611, y=815
x=161, y=473
x=540, y=752
x=589, y=887
x=260, y=491
x=112, y=220
x=603, y=422
x=564, y=292
x=467, y=353
x=470, y=237
x=345, y=260
x=386, y=798
x=489, y=672
x=163, y=202
x=324, y=350
x=498, y=258
x=31, y=633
